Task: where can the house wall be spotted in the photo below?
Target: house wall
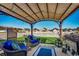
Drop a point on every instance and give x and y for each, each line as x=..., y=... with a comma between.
x=3, y=35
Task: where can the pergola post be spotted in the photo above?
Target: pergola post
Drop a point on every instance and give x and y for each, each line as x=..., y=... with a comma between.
x=60, y=31
x=31, y=29
x=28, y=44
x=7, y=33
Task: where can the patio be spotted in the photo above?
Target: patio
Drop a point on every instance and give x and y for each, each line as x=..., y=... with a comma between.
x=35, y=12
x=58, y=51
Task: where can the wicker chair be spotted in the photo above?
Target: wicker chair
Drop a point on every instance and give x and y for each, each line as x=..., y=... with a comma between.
x=10, y=51
x=15, y=52
x=33, y=40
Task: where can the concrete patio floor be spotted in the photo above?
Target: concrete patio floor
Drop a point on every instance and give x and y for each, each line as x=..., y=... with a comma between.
x=57, y=50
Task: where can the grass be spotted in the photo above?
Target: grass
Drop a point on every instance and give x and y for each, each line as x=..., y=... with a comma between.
x=20, y=38
x=48, y=40
x=51, y=40
x=2, y=41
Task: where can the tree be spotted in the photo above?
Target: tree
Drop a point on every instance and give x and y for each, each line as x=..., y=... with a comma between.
x=77, y=29
x=65, y=29
x=36, y=29
x=44, y=29
x=27, y=29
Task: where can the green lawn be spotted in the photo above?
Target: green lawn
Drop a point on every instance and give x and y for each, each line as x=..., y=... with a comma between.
x=20, y=38
x=2, y=41
x=47, y=40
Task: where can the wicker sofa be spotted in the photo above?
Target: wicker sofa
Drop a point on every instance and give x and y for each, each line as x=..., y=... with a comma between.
x=15, y=52
x=9, y=51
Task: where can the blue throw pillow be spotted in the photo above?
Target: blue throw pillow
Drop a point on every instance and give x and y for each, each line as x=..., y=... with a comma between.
x=24, y=43
x=22, y=46
x=15, y=46
x=8, y=45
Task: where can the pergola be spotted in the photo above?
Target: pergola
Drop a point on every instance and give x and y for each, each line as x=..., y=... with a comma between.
x=35, y=12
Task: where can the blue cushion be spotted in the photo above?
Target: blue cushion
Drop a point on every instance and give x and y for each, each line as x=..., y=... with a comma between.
x=8, y=45
x=22, y=46
x=34, y=41
x=30, y=37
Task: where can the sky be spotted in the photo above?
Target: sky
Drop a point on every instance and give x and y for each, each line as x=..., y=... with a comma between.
x=70, y=22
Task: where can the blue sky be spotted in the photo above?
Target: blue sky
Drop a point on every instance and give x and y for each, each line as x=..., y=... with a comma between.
x=8, y=21
x=70, y=22
x=46, y=24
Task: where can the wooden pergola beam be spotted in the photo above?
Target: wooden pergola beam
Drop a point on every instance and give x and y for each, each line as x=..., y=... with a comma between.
x=14, y=12
x=55, y=10
x=40, y=10
x=71, y=12
x=32, y=10
x=24, y=11
x=17, y=17
x=47, y=9
x=33, y=19
x=65, y=11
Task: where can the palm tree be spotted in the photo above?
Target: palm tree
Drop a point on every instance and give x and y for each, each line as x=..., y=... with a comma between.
x=36, y=29
x=44, y=29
